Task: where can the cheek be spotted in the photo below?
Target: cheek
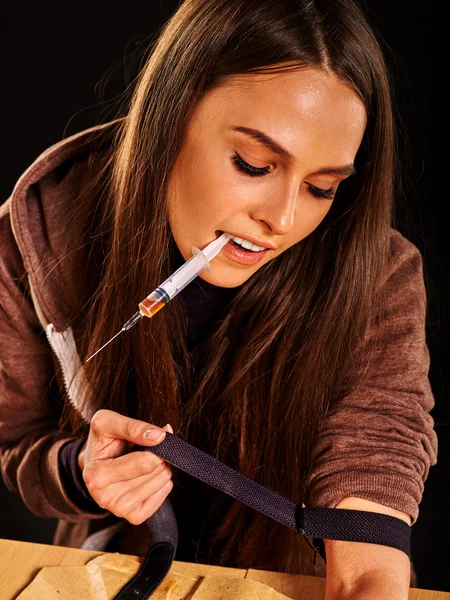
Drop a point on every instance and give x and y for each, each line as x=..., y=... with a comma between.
x=207, y=190
x=190, y=193
x=308, y=217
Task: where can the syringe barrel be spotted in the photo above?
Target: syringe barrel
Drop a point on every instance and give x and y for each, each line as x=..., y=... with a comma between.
x=184, y=275
x=153, y=302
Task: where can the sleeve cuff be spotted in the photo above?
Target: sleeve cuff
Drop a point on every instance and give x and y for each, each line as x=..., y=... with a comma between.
x=72, y=478
x=382, y=488
x=55, y=490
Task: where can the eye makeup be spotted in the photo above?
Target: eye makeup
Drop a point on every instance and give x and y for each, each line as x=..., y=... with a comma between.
x=249, y=169
x=252, y=171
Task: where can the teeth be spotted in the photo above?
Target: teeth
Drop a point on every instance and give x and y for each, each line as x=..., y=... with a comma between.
x=247, y=244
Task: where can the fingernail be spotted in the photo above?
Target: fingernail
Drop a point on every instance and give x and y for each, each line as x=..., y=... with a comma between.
x=169, y=427
x=155, y=434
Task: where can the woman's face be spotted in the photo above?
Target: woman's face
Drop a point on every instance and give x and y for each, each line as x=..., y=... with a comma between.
x=298, y=132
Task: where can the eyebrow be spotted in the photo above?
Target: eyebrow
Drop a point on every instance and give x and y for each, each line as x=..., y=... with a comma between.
x=275, y=147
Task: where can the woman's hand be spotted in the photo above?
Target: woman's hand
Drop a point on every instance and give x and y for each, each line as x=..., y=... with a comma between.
x=130, y=485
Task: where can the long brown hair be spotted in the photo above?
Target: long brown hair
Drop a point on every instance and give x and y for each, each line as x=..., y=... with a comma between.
x=278, y=356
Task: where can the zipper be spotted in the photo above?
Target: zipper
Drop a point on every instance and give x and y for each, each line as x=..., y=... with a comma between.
x=64, y=348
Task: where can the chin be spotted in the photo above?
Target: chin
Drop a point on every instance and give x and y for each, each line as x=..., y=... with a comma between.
x=224, y=280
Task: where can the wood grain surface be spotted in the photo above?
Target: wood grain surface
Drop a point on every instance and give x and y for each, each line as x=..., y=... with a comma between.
x=21, y=561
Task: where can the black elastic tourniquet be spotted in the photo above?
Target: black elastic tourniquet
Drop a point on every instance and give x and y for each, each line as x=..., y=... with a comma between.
x=318, y=523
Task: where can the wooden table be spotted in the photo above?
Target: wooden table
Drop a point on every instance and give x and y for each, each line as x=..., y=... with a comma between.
x=21, y=561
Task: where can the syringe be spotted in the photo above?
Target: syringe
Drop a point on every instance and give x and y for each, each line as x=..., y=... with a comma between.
x=174, y=284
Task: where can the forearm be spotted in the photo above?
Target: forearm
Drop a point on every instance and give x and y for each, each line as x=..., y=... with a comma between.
x=372, y=585
x=30, y=469
x=358, y=571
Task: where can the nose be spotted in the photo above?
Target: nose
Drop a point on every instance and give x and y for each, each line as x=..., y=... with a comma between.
x=279, y=212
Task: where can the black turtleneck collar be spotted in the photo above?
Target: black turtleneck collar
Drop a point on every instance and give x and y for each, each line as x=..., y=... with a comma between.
x=204, y=304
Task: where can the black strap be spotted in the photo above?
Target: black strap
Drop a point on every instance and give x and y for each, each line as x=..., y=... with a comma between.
x=152, y=572
x=318, y=523
x=354, y=526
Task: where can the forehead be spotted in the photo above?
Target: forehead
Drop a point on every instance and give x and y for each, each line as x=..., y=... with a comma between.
x=307, y=105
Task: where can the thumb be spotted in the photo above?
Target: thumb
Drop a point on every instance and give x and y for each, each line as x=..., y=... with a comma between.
x=109, y=424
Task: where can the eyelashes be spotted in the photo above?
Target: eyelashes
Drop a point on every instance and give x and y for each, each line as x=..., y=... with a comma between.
x=321, y=193
x=249, y=169
x=260, y=172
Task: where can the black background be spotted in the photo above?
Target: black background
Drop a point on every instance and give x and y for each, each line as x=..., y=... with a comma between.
x=64, y=66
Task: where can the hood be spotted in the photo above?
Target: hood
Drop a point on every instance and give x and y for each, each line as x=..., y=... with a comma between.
x=54, y=253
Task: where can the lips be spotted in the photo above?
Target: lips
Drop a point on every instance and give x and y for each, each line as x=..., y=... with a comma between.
x=250, y=238
x=241, y=256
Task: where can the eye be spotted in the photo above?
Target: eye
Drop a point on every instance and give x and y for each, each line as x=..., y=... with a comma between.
x=321, y=193
x=242, y=165
x=249, y=169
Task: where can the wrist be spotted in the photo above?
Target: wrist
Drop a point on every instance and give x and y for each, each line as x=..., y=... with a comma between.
x=81, y=456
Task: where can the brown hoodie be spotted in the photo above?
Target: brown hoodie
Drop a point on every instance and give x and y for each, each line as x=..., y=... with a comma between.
x=378, y=441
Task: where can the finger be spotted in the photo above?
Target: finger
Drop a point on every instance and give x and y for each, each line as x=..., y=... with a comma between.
x=141, y=491
x=110, y=424
x=110, y=496
x=131, y=498
x=121, y=469
x=135, y=464
x=149, y=506
x=160, y=474
x=107, y=496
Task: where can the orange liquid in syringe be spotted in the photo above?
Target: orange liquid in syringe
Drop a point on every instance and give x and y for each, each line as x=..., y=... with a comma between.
x=150, y=306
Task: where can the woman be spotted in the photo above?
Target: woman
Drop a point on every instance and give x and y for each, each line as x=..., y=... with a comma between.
x=300, y=361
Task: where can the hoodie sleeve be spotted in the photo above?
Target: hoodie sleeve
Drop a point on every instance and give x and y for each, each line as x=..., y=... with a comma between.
x=378, y=440
x=30, y=407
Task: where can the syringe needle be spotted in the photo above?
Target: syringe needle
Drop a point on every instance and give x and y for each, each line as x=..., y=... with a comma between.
x=174, y=284
x=128, y=325
x=104, y=345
